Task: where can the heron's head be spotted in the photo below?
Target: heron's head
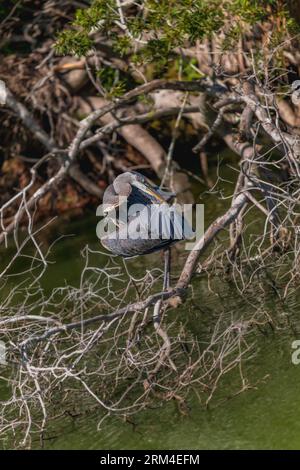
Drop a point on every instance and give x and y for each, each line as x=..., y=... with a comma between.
x=131, y=183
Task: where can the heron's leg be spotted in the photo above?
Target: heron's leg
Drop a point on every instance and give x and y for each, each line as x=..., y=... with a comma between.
x=167, y=259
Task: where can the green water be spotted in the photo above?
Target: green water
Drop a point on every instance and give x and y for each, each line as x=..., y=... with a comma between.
x=263, y=417
x=266, y=416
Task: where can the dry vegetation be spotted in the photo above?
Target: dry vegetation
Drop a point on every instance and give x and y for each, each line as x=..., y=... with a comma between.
x=81, y=107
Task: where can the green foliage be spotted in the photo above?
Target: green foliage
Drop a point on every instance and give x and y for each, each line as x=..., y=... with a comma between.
x=77, y=40
x=99, y=11
x=73, y=42
x=169, y=24
x=156, y=50
x=190, y=70
x=121, y=44
x=186, y=68
x=249, y=11
x=111, y=82
x=232, y=37
x=117, y=90
x=202, y=19
x=107, y=76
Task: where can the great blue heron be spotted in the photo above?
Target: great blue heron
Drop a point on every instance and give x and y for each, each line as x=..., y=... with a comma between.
x=159, y=224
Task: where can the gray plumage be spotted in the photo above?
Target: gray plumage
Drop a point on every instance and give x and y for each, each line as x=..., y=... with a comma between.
x=156, y=225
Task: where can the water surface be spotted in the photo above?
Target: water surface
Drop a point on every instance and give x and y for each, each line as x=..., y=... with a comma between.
x=266, y=416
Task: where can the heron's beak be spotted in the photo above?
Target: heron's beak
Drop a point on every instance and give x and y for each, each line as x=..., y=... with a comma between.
x=158, y=194
x=166, y=195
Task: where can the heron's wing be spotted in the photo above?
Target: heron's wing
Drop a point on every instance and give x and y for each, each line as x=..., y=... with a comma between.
x=156, y=222
x=168, y=223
